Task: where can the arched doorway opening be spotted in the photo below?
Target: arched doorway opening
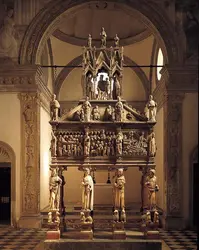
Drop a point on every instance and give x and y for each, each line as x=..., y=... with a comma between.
x=7, y=185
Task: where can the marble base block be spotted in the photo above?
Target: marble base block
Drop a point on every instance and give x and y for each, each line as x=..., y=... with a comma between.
x=95, y=244
x=152, y=234
x=119, y=235
x=53, y=235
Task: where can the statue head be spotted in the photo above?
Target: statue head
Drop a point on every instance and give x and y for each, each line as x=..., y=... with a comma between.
x=87, y=98
x=54, y=97
x=120, y=171
x=53, y=172
x=150, y=97
x=86, y=171
x=151, y=172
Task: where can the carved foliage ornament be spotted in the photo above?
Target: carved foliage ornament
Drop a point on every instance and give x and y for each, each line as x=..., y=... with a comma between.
x=30, y=125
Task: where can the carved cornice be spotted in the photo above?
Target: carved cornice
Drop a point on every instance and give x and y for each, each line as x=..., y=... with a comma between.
x=25, y=79
x=176, y=81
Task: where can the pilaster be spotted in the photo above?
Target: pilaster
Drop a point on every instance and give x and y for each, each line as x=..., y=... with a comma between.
x=30, y=169
x=172, y=107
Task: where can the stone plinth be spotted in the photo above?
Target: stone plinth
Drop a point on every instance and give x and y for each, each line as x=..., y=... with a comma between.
x=86, y=231
x=53, y=235
x=133, y=244
x=118, y=231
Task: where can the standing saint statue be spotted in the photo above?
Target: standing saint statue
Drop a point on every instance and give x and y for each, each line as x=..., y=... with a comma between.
x=54, y=108
x=150, y=188
x=87, y=191
x=152, y=145
x=90, y=87
x=116, y=41
x=119, y=140
x=87, y=144
x=86, y=108
x=53, y=147
x=119, y=110
x=8, y=35
x=89, y=41
x=151, y=109
x=117, y=87
x=118, y=190
x=55, y=183
x=103, y=37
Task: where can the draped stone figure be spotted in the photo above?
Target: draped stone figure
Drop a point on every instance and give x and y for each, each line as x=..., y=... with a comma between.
x=119, y=110
x=152, y=145
x=86, y=108
x=87, y=144
x=53, y=147
x=119, y=140
x=150, y=188
x=103, y=37
x=118, y=190
x=54, y=108
x=87, y=191
x=55, y=183
x=151, y=109
x=8, y=43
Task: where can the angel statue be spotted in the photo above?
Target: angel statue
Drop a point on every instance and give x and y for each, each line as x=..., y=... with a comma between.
x=8, y=35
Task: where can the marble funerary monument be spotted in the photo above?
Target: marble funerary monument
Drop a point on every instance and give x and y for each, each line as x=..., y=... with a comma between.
x=103, y=133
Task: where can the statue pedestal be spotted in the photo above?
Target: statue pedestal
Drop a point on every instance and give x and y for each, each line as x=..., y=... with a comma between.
x=53, y=235
x=119, y=231
x=86, y=231
x=152, y=234
x=54, y=232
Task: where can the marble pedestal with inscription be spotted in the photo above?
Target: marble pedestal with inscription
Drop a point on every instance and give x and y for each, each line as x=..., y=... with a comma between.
x=119, y=231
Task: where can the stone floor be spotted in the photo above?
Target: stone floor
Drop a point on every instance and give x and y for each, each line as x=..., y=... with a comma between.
x=30, y=239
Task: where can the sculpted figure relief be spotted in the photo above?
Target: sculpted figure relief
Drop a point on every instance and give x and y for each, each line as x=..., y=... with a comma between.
x=90, y=87
x=54, y=108
x=89, y=41
x=8, y=43
x=151, y=109
x=87, y=191
x=53, y=147
x=150, y=188
x=119, y=110
x=87, y=144
x=96, y=113
x=116, y=41
x=55, y=183
x=103, y=37
x=152, y=145
x=109, y=114
x=117, y=87
x=86, y=108
x=119, y=140
x=118, y=194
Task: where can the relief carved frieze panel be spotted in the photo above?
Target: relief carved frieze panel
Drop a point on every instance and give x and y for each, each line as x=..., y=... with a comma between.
x=173, y=154
x=30, y=152
x=101, y=142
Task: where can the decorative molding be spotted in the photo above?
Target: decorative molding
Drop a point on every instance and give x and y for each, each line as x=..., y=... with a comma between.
x=48, y=19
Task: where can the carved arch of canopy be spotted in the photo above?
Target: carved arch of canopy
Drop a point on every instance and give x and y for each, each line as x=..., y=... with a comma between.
x=7, y=155
x=47, y=20
x=78, y=60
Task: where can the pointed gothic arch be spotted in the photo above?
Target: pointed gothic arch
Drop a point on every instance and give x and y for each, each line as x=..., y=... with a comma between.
x=7, y=155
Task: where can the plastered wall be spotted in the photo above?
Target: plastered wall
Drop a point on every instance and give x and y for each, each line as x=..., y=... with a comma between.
x=10, y=133
x=45, y=132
